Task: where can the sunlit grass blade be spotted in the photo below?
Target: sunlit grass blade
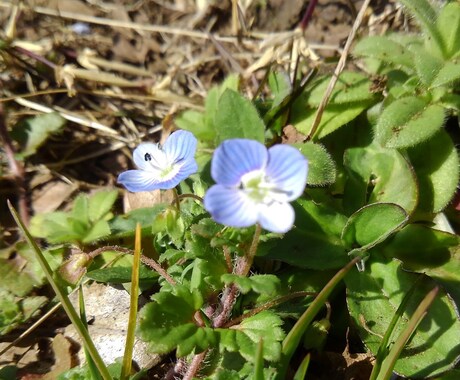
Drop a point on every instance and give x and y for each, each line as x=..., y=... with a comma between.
x=294, y=337
x=383, y=348
x=303, y=368
x=130, y=335
x=388, y=364
x=62, y=296
x=89, y=360
x=259, y=364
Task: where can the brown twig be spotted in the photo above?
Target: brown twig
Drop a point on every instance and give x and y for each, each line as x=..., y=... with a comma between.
x=338, y=70
x=16, y=169
x=146, y=260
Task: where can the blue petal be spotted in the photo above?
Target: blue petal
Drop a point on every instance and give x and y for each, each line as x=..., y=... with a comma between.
x=288, y=169
x=139, y=155
x=236, y=157
x=180, y=145
x=276, y=217
x=138, y=180
x=230, y=207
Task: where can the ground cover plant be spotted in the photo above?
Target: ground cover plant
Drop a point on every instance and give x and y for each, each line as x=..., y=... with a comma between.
x=293, y=224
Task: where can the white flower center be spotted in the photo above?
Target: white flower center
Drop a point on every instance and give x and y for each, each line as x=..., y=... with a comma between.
x=161, y=166
x=260, y=189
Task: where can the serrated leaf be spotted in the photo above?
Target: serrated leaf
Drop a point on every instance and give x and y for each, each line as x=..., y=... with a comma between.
x=238, y=118
x=373, y=297
x=407, y=122
x=245, y=337
x=384, y=49
x=80, y=211
x=164, y=328
x=372, y=224
x=33, y=132
x=448, y=25
x=259, y=283
x=377, y=174
x=321, y=166
x=99, y=230
x=315, y=241
x=437, y=167
x=100, y=204
x=449, y=73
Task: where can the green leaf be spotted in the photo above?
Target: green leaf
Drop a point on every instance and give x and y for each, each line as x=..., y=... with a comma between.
x=245, y=337
x=377, y=174
x=384, y=49
x=448, y=25
x=120, y=275
x=436, y=165
x=194, y=122
x=98, y=231
x=165, y=329
x=351, y=87
x=315, y=241
x=100, y=204
x=373, y=297
x=280, y=86
x=426, y=250
x=449, y=73
x=334, y=117
x=426, y=15
x=238, y=118
x=372, y=224
x=33, y=132
x=260, y=283
x=80, y=211
x=321, y=166
x=426, y=64
x=125, y=225
x=407, y=122
x=10, y=314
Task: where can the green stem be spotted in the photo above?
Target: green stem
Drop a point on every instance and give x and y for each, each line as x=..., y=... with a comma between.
x=130, y=334
x=244, y=265
x=66, y=304
x=388, y=364
x=292, y=340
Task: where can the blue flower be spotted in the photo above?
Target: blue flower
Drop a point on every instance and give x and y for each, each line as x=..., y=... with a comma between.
x=255, y=185
x=162, y=167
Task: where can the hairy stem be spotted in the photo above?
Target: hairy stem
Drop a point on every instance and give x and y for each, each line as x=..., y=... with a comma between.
x=146, y=260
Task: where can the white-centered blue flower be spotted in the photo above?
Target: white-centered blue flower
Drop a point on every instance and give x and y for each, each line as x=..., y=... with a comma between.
x=162, y=167
x=255, y=185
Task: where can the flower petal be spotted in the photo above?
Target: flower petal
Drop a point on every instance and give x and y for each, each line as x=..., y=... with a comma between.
x=143, y=161
x=230, y=207
x=236, y=157
x=180, y=145
x=287, y=168
x=138, y=180
x=276, y=217
x=186, y=169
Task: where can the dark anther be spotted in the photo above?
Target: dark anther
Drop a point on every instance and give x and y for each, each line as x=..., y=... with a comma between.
x=148, y=157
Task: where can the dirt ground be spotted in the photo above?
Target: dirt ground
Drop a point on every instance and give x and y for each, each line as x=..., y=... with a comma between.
x=116, y=70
